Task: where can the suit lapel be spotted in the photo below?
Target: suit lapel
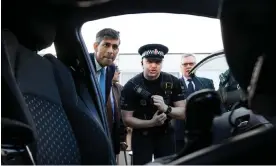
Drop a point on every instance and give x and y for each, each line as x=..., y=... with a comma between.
x=109, y=72
x=186, y=92
x=107, y=77
x=109, y=113
x=108, y=82
x=184, y=83
x=115, y=93
x=198, y=84
x=196, y=81
x=116, y=99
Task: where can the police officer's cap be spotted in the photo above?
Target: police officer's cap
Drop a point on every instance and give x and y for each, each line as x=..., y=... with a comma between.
x=153, y=51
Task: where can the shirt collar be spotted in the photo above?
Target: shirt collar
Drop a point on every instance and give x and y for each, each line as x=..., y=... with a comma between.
x=185, y=79
x=98, y=66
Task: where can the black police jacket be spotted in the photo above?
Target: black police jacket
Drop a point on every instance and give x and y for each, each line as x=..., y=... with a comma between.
x=137, y=93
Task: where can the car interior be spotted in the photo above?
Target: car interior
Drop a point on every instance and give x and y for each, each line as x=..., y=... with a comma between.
x=47, y=100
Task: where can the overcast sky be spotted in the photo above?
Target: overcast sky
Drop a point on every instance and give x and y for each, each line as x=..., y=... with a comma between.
x=181, y=33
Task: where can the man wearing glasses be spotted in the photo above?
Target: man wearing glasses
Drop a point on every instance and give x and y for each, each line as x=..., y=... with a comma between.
x=191, y=84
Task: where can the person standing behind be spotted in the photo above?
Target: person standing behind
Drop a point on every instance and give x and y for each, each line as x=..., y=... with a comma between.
x=116, y=126
x=191, y=84
x=106, y=49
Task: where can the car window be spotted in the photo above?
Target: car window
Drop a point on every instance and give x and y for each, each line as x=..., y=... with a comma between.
x=181, y=33
x=212, y=68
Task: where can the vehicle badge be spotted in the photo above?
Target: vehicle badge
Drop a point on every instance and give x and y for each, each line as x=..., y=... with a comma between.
x=155, y=51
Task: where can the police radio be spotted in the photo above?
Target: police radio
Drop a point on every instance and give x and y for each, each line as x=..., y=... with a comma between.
x=147, y=95
x=144, y=93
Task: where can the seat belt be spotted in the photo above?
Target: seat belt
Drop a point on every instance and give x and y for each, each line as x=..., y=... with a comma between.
x=18, y=144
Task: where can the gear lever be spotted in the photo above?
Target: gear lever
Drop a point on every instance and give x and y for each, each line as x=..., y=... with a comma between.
x=201, y=108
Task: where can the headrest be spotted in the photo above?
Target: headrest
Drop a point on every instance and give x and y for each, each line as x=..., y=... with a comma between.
x=36, y=35
x=10, y=43
x=248, y=32
x=34, y=29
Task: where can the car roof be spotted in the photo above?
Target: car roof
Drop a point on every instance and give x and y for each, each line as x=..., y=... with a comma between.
x=83, y=11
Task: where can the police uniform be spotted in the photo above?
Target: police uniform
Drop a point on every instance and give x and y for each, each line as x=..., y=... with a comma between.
x=136, y=96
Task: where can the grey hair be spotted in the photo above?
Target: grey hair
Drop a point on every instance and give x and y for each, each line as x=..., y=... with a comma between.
x=107, y=33
x=185, y=55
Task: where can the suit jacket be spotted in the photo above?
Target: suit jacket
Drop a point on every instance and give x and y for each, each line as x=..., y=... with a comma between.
x=110, y=70
x=200, y=83
x=117, y=128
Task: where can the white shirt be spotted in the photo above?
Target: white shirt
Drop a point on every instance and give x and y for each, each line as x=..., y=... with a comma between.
x=187, y=82
x=98, y=69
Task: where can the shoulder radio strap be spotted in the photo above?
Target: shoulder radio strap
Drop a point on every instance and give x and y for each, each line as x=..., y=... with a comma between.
x=139, y=88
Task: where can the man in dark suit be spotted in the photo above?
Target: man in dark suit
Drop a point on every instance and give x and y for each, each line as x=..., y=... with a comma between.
x=191, y=84
x=106, y=49
x=117, y=128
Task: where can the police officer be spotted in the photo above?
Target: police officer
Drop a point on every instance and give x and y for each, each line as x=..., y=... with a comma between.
x=148, y=102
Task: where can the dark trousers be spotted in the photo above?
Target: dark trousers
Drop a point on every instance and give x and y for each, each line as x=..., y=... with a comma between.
x=144, y=145
x=115, y=138
x=179, y=145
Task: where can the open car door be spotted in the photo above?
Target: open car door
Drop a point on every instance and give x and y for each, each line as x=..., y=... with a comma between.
x=226, y=143
x=211, y=67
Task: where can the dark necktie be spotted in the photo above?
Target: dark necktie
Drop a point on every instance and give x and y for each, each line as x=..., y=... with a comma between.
x=190, y=86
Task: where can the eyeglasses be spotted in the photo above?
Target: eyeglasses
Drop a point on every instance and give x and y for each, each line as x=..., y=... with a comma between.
x=190, y=64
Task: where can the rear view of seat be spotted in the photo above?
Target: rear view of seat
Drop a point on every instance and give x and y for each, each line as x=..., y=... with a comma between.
x=56, y=143
x=66, y=131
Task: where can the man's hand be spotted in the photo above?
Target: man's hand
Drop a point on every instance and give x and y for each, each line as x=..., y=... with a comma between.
x=158, y=120
x=158, y=101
